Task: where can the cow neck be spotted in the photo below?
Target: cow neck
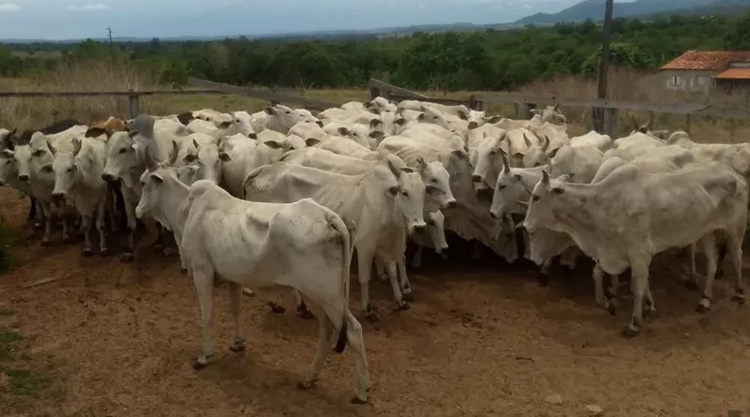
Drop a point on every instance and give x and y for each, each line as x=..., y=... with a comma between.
x=174, y=204
x=574, y=216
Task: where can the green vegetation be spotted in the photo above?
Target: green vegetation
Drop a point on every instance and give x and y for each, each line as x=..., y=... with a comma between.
x=480, y=60
x=24, y=380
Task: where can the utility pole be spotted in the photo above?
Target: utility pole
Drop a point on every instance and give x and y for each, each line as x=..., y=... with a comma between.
x=111, y=47
x=604, y=67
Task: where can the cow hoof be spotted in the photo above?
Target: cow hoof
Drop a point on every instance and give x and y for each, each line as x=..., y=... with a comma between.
x=740, y=300
x=126, y=258
x=612, y=309
x=306, y=314
x=276, y=309
x=702, y=309
x=87, y=253
x=404, y=307
x=358, y=401
x=629, y=333
x=305, y=386
x=409, y=297
x=104, y=253
x=237, y=348
x=37, y=226
x=197, y=365
x=652, y=314
x=692, y=285
x=371, y=317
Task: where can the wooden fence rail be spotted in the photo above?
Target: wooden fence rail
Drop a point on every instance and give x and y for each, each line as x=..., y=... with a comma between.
x=524, y=103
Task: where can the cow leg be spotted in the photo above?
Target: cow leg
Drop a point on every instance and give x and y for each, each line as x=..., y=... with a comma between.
x=39, y=222
x=404, y=280
x=235, y=306
x=32, y=211
x=101, y=223
x=87, y=220
x=393, y=278
x=357, y=347
x=159, y=243
x=380, y=269
x=544, y=272
x=47, y=212
x=416, y=261
x=127, y=255
x=723, y=248
x=364, y=263
x=203, y=278
x=568, y=257
x=302, y=309
x=691, y=282
x=708, y=247
x=734, y=248
x=639, y=286
x=649, y=305
x=325, y=329
x=476, y=252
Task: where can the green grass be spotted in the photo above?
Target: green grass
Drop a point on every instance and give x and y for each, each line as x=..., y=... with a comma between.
x=25, y=382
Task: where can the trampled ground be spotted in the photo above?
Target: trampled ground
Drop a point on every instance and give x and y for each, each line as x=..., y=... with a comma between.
x=481, y=339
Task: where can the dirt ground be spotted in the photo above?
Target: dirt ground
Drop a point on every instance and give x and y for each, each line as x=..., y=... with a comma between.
x=481, y=339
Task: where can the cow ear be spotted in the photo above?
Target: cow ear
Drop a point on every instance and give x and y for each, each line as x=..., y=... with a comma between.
x=494, y=119
x=343, y=131
x=377, y=135
x=95, y=132
x=273, y=144
x=473, y=125
x=375, y=123
x=224, y=157
x=319, y=123
x=421, y=116
x=189, y=158
x=460, y=154
x=47, y=168
x=557, y=190
x=311, y=142
x=552, y=154
x=517, y=177
x=253, y=136
x=462, y=115
x=225, y=125
x=76, y=146
x=394, y=169
x=536, y=111
x=156, y=178
x=269, y=111
x=133, y=133
x=394, y=190
x=374, y=111
x=422, y=164
x=196, y=144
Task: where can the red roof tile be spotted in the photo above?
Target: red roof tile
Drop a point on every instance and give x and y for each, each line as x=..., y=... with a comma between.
x=706, y=60
x=735, y=74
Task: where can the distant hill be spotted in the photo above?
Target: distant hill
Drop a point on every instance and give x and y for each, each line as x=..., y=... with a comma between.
x=594, y=10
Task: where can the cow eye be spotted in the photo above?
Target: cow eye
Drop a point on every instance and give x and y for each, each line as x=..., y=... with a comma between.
x=123, y=150
x=535, y=198
x=501, y=187
x=405, y=194
x=70, y=169
x=537, y=164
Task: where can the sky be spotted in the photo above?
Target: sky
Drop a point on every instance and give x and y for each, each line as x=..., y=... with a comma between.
x=76, y=19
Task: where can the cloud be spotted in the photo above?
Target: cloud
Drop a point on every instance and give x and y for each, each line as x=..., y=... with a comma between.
x=88, y=7
x=9, y=7
x=527, y=6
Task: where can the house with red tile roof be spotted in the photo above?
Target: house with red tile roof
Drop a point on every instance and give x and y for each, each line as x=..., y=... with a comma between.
x=703, y=71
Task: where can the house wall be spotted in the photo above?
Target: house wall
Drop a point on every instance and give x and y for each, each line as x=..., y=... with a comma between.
x=688, y=80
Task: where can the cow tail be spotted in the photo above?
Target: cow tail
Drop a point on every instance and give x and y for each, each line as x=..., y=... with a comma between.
x=346, y=229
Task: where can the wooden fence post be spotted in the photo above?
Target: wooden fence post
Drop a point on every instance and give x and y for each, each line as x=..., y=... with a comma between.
x=523, y=110
x=135, y=105
x=611, y=122
x=732, y=127
x=687, y=123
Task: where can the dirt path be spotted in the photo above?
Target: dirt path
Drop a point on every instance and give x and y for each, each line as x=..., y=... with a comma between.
x=480, y=340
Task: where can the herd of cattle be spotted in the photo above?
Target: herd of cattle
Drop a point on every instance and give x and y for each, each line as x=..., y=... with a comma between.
x=281, y=198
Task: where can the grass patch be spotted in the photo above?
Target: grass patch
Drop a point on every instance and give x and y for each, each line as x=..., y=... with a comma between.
x=7, y=339
x=25, y=382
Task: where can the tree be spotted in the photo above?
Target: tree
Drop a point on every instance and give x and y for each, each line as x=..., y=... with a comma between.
x=738, y=35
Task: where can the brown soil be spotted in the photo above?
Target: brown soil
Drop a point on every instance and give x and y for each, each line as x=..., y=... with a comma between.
x=480, y=340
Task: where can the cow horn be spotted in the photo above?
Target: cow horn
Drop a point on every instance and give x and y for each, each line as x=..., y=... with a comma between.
x=526, y=139
x=545, y=177
x=635, y=123
x=175, y=151
x=151, y=163
x=506, y=163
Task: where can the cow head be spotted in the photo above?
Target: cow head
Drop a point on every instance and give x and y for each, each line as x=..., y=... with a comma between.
x=437, y=185
x=436, y=230
x=121, y=159
x=511, y=195
x=545, y=200
x=551, y=114
x=488, y=162
x=408, y=192
x=67, y=170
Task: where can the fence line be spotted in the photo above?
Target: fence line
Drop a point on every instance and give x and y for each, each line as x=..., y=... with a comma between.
x=523, y=103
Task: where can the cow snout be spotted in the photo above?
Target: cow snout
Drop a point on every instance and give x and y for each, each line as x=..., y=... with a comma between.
x=23, y=177
x=58, y=197
x=108, y=177
x=421, y=227
x=476, y=178
x=451, y=204
x=494, y=214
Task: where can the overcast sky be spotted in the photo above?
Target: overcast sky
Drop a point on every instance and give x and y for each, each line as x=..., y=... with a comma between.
x=67, y=19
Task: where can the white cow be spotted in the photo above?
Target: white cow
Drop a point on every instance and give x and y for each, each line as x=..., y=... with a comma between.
x=78, y=177
x=628, y=217
x=386, y=206
x=301, y=245
x=240, y=155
